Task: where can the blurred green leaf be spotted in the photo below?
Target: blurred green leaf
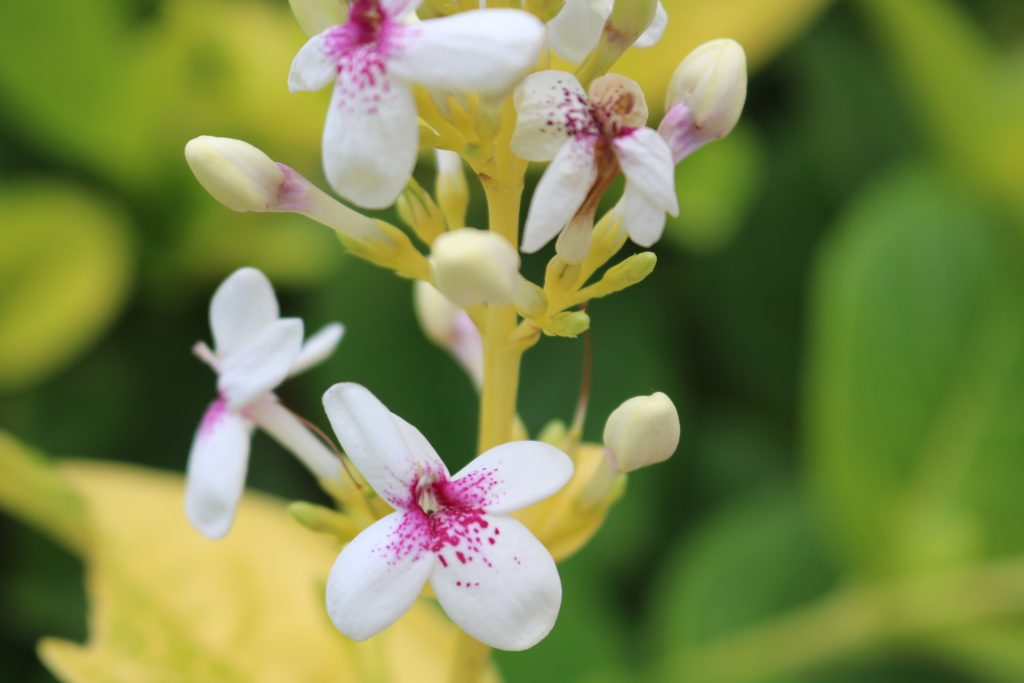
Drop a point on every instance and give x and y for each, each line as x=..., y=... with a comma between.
x=34, y=491
x=916, y=380
x=120, y=94
x=716, y=187
x=291, y=249
x=756, y=562
x=65, y=272
x=969, y=95
x=707, y=589
x=992, y=650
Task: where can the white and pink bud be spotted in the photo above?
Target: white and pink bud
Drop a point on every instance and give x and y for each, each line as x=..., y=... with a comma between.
x=236, y=174
x=705, y=97
x=243, y=178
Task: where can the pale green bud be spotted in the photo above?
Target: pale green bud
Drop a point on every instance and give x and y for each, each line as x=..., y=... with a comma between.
x=451, y=188
x=627, y=22
x=475, y=266
x=419, y=211
x=568, y=324
x=236, y=174
x=642, y=431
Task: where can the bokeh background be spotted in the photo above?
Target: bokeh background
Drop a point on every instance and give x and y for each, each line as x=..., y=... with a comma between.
x=838, y=313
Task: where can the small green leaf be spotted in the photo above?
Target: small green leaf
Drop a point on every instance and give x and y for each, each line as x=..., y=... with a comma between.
x=65, y=271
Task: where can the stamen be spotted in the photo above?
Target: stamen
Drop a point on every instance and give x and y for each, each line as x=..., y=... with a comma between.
x=203, y=352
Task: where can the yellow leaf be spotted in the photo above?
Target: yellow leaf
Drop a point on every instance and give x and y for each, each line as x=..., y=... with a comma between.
x=65, y=269
x=170, y=605
x=563, y=522
x=762, y=27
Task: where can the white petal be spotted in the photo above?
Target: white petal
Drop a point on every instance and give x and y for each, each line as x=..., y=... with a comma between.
x=511, y=476
x=560, y=193
x=378, y=576
x=215, y=475
x=656, y=30
x=646, y=161
x=318, y=347
x=241, y=308
x=506, y=593
x=485, y=51
x=389, y=452
x=258, y=367
x=551, y=107
x=371, y=134
x=575, y=30
x=396, y=9
x=644, y=221
x=315, y=65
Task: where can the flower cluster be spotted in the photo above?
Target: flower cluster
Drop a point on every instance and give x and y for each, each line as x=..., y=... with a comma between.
x=461, y=80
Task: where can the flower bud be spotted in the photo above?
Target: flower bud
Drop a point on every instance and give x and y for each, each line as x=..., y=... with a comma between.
x=238, y=175
x=419, y=211
x=642, y=431
x=712, y=82
x=475, y=266
x=568, y=324
x=449, y=327
x=626, y=273
x=629, y=19
x=451, y=188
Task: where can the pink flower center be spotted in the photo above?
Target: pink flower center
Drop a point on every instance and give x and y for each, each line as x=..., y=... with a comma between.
x=447, y=519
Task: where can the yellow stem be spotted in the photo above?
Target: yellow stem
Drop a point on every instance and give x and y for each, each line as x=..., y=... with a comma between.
x=502, y=179
x=501, y=358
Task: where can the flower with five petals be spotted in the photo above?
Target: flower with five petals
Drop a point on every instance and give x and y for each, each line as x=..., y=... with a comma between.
x=491, y=575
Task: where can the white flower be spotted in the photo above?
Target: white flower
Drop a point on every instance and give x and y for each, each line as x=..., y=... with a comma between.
x=371, y=134
x=587, y=141
x=575, y=30
x=255, y=350
x=490, y=574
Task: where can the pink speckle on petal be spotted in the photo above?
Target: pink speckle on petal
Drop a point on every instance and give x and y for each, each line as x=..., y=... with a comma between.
x=212, y=416
x=361, y=48
x=409, y=540
x=442, y=513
